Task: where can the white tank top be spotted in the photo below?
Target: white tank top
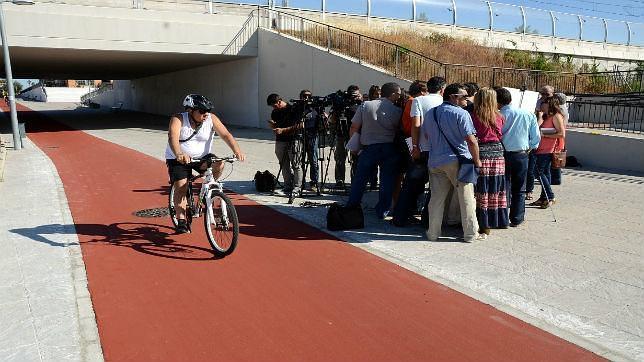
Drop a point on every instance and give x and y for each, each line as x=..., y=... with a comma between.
x=199, y=145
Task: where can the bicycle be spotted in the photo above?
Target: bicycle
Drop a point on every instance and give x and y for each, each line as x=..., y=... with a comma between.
x=218, y=221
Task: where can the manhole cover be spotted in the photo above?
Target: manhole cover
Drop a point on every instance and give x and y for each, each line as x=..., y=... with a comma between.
x=156, y=212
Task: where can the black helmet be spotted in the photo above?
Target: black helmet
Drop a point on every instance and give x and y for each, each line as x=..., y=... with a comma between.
x=197, y=101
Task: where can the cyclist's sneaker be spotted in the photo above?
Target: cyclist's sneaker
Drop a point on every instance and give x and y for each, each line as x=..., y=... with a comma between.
x=182, y=227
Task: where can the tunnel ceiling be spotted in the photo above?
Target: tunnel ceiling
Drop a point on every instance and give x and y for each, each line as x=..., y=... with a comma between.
x=30, y=63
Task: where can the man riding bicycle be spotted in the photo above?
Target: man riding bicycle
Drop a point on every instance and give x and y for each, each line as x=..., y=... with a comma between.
x=190, y=136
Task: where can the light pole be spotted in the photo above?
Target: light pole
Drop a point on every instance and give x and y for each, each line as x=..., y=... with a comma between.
x=17, y=142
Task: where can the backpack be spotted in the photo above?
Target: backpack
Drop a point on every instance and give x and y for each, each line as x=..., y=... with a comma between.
x=265, y=181
x=344, y=218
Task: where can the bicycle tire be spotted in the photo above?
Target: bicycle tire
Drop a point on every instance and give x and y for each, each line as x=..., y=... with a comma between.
x=172, y=212
x=221, y=246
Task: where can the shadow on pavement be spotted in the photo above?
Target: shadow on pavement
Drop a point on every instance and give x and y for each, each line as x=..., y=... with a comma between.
x=151, y=239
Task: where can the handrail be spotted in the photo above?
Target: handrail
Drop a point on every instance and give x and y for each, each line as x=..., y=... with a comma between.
x=96, y=92
x=408, y=64
x=243, y=30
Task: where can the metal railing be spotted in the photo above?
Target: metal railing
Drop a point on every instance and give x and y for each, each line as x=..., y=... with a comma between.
x=104, y=87
x=619, y=112
x=407, y=64
x=243, y=36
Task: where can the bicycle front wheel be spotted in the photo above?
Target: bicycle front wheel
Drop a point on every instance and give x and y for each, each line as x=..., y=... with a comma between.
x=222, y=226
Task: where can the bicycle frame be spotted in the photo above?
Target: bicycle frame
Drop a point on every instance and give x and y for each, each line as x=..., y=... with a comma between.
x=205, y=195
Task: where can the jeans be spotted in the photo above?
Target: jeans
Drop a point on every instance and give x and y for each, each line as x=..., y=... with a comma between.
x=555, y=176
x=442, y=180
x=385, y=156
x=290, y=164
x=543, y=172
x=529, y=181
x=312, y=154
x=413, y=186
x=516, y=170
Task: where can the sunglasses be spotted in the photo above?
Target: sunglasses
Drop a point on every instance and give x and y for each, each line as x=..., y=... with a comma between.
x=201, y=111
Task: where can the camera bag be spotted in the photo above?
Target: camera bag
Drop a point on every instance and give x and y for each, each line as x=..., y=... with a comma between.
x=342, y=217
x=265, y=181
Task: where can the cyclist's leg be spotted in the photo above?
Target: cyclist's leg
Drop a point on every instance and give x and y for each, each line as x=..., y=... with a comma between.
x=180, y=188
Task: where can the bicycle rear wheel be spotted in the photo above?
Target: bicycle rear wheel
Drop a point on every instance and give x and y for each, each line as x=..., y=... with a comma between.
x=172, y=210
x=221, y=224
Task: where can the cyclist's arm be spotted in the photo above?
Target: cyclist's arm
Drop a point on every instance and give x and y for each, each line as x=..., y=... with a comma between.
x=223, y=133
x=173, y=140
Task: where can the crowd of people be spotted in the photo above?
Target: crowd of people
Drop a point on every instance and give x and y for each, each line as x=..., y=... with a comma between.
x=479, y=153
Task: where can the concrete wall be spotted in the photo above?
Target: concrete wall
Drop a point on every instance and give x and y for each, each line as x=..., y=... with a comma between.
x=610, y=150
x=52, y=25
x=287, y=66
x=231, y=85
x=36, y=94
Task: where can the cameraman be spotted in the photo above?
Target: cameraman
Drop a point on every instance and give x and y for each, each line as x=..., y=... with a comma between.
x=311, y=122
x=341, y=114
x=286, y=124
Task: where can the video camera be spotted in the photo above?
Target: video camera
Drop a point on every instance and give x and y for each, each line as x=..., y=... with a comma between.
x=341, y=100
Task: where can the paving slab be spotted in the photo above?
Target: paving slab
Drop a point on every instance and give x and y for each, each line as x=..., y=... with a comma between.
x=43, y=290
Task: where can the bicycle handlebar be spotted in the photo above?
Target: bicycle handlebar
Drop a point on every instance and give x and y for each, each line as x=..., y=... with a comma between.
x=213, y=158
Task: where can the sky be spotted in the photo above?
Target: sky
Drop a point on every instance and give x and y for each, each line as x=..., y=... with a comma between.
x=507, y=15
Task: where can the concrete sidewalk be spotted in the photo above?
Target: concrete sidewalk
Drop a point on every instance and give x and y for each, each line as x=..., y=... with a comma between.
x=581, y=278
x=45, y=309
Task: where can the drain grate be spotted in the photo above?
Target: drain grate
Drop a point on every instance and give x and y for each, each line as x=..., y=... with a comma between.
x=156, y=212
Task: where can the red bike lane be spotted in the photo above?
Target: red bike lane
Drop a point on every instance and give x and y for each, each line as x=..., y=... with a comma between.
x=289, y=292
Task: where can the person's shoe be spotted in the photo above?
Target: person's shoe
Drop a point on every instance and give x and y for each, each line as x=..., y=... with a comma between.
x=478, y=237
x=513, y=224
x=182, y=227
x=547, y=204
x=291, y=197
x=339, y=184
x=539, y=202
x=314, y=188
x=485, y=231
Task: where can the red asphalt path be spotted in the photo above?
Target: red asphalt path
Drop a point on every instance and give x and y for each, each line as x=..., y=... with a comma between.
x=289, y=292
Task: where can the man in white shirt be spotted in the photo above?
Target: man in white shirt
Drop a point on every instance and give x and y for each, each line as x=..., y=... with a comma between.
x=417, y=175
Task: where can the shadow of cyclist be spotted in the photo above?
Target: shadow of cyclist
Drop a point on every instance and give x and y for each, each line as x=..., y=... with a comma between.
x=151, y=239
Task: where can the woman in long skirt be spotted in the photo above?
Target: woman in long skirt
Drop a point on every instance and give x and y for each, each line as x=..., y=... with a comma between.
x=490, y=191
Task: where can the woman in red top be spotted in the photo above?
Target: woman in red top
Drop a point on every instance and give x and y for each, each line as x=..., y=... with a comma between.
x=553, y=132
x=491, y=202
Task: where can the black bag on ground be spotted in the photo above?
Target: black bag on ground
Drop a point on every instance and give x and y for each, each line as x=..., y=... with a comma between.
x=265, y=181
x=344, y=218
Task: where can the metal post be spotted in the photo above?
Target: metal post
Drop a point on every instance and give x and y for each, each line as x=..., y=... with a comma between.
x=552, y=17
x=17, y=142
x=209, y=6
x=359, y=49
x=493, y=77
x=396, y=69
x=523, y=19
x=574, y=85
x=413, y=10
x=302, y=30
x=628, y=27
x=328, y=38
x=453, y=12
x=368, y=11
x=581, y=27
x=605, y=30
x=323, y=6
x=490, y=16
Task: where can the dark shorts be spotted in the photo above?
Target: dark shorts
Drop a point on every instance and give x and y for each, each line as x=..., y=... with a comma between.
x=178, y=171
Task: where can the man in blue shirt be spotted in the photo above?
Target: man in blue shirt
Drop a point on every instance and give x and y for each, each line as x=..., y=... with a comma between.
x=456, y=128
x=520, y=135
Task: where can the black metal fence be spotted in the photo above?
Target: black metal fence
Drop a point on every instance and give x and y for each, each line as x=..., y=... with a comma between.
x=407, y=64
x=618, y=112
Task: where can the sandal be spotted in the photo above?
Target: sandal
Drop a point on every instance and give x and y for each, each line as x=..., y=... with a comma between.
x=528, y=196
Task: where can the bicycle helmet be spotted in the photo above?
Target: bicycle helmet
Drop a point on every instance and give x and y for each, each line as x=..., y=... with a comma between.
x=197, y=101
